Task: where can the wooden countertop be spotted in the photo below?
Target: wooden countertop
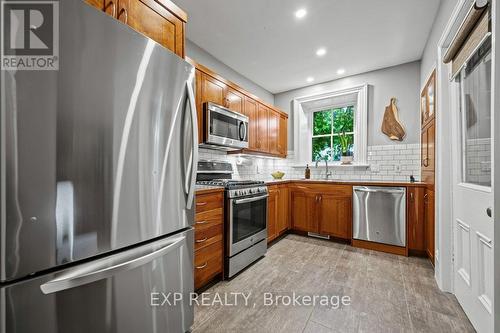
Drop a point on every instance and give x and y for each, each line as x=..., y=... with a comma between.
x=205, y=189
x=345, y=182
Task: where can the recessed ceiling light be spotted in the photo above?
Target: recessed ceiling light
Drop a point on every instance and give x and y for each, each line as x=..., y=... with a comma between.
x=310, y=79
x=300, y=13
x=321, y=52
x=340, y=71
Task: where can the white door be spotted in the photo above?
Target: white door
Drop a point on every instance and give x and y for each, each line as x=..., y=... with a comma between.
x=472, y=190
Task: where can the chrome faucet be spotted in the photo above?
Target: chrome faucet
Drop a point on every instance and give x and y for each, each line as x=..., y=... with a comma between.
x=327, y=173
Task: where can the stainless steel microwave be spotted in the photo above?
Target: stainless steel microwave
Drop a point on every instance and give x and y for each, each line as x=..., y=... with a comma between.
x=224, y=129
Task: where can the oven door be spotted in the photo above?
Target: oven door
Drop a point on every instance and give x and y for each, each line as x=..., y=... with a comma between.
x=247, y=221
x=225, y=127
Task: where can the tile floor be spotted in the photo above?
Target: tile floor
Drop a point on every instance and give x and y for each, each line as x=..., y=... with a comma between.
x=388, y=293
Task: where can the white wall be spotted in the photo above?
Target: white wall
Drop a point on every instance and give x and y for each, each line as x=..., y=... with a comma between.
x=428, y=62
x=444, y=147
x=402, y=82
x=201, y=56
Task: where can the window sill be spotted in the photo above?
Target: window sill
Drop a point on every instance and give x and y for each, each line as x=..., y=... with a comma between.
x=335, y=165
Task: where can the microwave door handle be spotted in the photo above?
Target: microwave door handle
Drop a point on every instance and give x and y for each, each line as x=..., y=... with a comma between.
x=244, y=126
x=193, y=161
x=105, y=268
x=242, y=201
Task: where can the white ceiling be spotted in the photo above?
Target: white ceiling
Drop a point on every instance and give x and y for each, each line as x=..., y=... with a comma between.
x=264, y=41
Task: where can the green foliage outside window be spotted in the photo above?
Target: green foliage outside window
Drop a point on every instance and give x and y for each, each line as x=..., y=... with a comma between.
x=328, y=125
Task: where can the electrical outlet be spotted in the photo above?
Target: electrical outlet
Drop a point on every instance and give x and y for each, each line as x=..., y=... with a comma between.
x=397, y=168
x=375, y=168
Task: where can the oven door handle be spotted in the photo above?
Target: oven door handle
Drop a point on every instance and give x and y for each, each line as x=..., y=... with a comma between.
x=247, y=200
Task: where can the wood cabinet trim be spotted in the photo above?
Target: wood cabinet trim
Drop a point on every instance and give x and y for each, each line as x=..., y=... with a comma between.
x=174, y=9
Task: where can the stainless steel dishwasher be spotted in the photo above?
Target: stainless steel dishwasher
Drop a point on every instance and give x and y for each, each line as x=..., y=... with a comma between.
x=379, y=214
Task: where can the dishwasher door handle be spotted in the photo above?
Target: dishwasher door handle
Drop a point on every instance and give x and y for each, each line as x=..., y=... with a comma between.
x=371, y=190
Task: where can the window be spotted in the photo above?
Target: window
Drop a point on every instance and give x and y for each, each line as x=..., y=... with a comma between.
x=327, y=127
x=320, y=119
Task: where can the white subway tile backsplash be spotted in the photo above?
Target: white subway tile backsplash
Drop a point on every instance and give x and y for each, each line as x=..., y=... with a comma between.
x=383, y=160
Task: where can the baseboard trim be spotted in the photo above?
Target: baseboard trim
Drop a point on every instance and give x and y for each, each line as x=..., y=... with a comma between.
x=402, y=251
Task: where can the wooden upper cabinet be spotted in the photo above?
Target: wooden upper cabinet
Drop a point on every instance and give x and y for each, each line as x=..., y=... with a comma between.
x=99, y=4
x=267, y=132
x=160, y=20
x=212, y=90
x=416, y=219
x=250, y=110
x=273, y=131
x=283, y=136
x=262, y=128
x=234, y=100
x=431, y=139
x=428, y=100
x=428, y=162
x=335, y=215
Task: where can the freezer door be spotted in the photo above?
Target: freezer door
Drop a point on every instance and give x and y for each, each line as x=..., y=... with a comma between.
x=120, y=293
x=98, y=155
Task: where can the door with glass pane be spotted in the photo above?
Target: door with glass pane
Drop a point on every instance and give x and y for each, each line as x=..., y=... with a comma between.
x=472, y=193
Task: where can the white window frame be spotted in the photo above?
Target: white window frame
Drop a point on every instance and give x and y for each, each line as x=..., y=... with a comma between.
x=303, y=124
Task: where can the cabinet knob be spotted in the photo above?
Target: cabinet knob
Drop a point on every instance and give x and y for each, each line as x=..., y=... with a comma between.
x=488, y=211
x=124, y=12
x=113, y=8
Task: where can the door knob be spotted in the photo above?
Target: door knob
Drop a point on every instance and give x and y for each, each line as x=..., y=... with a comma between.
x=488, y=211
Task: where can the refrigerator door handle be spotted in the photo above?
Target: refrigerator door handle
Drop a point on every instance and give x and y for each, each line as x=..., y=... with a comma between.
x=107, y=267
x=193, y=161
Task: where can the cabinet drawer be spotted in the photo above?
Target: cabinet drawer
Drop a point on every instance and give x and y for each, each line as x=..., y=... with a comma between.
x=206, y=236
x=206, y=271
x=209, y=217
x=207, y=264
x=206, y=253
x=208, y=202
x=337, y=190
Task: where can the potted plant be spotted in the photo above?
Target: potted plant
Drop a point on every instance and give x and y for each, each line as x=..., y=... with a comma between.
x=345, y=145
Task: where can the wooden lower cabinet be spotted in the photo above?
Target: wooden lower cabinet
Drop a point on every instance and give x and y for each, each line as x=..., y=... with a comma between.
x=209, y=238
x=429, y=224
x=303, y=204
x=416, y=220
x=335, y=215
x=322, y=209
x=207, y=264
x=278, y=212
x=283, y=223
x=272, y=214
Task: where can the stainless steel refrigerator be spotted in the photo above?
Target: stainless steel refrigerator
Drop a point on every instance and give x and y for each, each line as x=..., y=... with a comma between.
x=97, y=184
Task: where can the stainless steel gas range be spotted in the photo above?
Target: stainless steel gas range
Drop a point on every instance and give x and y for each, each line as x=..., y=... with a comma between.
x=245, y=215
